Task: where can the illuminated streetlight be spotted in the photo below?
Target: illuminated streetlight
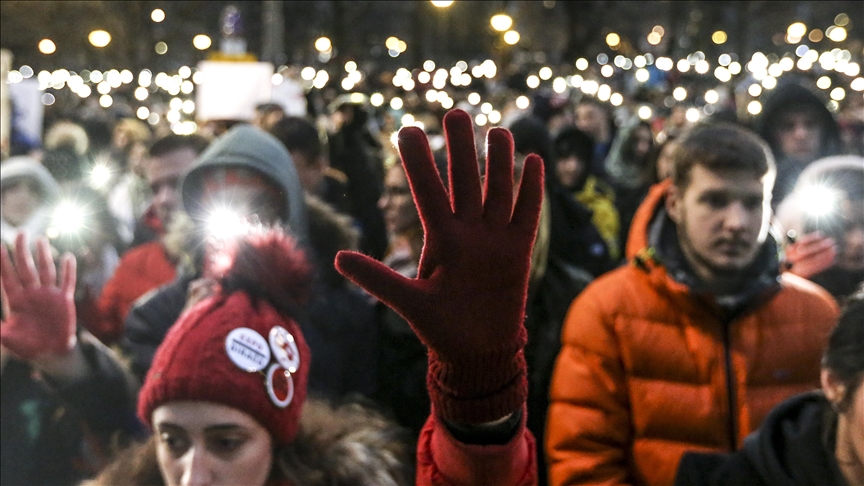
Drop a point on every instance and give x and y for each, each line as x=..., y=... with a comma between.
x=46, y=46
x=99, y=38
x=201, y=42
x=511, y=37
x=719, y=37
x=157, y=15
x=323, y=44
x=501, y=22
x=441, y=3
x=613, y=39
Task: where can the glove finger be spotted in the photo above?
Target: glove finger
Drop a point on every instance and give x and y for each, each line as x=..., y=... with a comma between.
x=426, y=186
x=499, y=176
x=527, y=210
x=8, y=276
x=462, y=165
x=24, y=262
x=45, y=263
x=376, y=278
x=68, y=274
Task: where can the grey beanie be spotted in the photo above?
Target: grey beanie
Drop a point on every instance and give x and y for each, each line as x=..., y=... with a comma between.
x=248, y=147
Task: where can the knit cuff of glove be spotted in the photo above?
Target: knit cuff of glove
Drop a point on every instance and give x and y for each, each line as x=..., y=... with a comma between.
x=478, y=390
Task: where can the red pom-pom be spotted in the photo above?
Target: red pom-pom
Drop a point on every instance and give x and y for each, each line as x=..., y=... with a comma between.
x=269, y=262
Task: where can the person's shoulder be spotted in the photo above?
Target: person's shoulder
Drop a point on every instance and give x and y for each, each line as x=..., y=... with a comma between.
x=806, y=293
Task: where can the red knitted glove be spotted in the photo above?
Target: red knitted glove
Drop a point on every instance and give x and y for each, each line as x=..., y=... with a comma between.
x=41, y=316
x=468, y=303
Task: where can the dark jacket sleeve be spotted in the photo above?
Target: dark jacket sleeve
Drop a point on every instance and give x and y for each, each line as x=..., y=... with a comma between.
x=106, y=398
x=148, y=323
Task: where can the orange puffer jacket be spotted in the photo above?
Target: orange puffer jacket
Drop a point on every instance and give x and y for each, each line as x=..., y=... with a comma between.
x=642, y=373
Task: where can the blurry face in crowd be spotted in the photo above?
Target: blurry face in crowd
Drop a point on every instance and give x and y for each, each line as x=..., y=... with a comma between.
x=722, y=219
x=163, y=175
x=851, y=250
x=396, y=203
x=309, y=170
x=203, y=443
x=568, y=170
x=592, y=120
x=850, y=427
x=798, y=135
x=249, y=196
x=643, y=139
x=19, y=201
x=665, y=161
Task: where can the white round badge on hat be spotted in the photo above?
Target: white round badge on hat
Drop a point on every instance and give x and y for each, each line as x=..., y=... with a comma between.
x=284, y=348
x=280, y=385
x=247, y=349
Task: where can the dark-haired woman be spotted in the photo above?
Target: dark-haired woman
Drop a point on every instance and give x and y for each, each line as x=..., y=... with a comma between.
x=813, y=438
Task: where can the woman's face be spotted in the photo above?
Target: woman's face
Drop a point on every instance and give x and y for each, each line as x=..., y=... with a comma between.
x=400, y=213
x=203, y=443
x=664, y=160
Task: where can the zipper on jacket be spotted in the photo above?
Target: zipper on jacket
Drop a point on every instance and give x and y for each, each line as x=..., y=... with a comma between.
x=732, y=423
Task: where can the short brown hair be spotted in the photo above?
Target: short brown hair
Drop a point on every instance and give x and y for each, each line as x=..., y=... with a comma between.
x=722, y=147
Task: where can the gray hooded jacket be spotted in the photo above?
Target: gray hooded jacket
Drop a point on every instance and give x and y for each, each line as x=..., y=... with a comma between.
x=247, y=147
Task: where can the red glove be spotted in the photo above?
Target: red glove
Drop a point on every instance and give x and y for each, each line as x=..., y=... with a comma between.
x=468, y=303
x=810, y=254
x=41, y=316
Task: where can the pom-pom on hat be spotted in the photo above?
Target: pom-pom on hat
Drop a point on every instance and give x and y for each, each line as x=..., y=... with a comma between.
x=241, y=347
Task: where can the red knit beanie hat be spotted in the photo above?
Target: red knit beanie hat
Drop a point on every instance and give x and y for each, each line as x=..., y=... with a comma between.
x=235, y=348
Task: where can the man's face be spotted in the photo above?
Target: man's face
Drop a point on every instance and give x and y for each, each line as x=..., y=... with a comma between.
x=798, y=135
x=163, y=174
x=19, y=202
x=722, y=220
x=591, y=120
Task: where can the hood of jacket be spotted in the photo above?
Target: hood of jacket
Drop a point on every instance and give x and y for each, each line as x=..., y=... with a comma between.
x=653, y=246
x=245, y=146
x=791, y=446
x=794, y=97
x=15, y=169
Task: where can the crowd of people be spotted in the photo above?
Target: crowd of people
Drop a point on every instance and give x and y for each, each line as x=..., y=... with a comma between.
x=573, y=298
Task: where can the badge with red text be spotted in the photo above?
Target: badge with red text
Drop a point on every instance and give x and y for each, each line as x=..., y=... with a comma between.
x=247, y=349
x=280, y=385
x=284, y=348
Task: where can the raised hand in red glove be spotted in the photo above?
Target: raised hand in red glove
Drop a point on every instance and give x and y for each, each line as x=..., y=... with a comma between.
x=467, y=304
x=41, y=318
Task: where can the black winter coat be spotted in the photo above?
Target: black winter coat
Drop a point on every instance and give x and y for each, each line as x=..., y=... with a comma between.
x=790, y=449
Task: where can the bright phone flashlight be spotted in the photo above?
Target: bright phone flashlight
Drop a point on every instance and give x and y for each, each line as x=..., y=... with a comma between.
x=819, y=201
x=100, y=176
x=224, y=223
x=68, y=218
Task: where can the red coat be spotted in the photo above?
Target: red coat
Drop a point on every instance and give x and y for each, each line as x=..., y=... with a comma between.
x=444, y=461
x=141, y=269
x=642, y=373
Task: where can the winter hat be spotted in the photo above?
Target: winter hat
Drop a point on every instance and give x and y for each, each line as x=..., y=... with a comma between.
x=248, y=147
x=241, y=347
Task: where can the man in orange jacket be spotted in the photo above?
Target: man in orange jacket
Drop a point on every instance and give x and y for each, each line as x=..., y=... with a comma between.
x=690, y=346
